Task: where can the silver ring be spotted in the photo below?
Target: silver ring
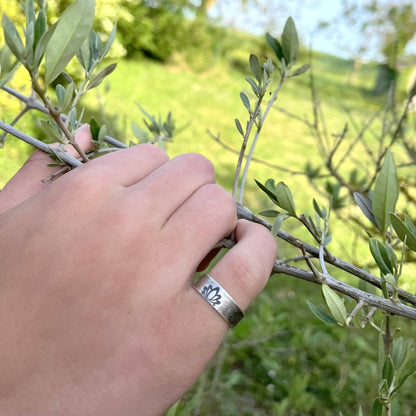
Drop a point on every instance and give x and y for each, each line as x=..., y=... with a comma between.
x=219, y=299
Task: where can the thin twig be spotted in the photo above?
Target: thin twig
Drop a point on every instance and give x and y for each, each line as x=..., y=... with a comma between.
x=65, y=156
x=35, y=104
x=254, y=142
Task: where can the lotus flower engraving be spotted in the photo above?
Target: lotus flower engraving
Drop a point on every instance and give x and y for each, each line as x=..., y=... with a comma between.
x=212, y=295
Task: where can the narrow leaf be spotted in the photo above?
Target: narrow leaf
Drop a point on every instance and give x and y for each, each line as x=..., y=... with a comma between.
x=366, y=207
x=377, y=409
x=270, y=194
x=42, y=44
x=275, y=45
x=388, y=370
x=409, y=371
x=239, y=126
x=60, y=93
x=290, y=42
x=335, y=304
x=403, y=231
x=320, y=314
x=253, y=85
x=380, y=256
x=98, y=79
x=52, y=133
x=270, y=213
x=245, y=101
x=255, y=67
x=284, y=196
x=72, y=29
x=94, y=129
x=69, y=93
x=110, y=41
x=300, y=71
x=12, y=37
x=386, y=192
x=278, y=223
x=40, y=27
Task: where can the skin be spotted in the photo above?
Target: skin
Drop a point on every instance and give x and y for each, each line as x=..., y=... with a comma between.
x=97, y=311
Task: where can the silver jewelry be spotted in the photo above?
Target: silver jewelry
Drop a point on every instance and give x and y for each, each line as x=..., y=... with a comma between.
x=219, y=299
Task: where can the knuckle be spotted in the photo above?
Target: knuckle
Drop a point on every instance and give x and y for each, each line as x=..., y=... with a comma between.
x=199, y=163
x=219, y=201
x=247, y=275
x=153, y=151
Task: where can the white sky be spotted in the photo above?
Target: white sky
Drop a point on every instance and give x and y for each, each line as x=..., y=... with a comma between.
x=307, y=14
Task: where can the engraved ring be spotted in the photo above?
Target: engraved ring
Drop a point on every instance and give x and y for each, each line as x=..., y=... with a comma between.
x=219, y=299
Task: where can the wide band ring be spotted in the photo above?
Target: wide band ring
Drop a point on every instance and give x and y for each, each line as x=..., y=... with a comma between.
x=219, y=299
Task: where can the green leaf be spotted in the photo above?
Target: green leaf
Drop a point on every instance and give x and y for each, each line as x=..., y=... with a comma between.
x=254, y=86
x=290, y=42
x=378, y=408
x=271, y=213
x=245, y=101
x=94, y=129
x=335, y=304
x=60, y=93
x=42, y=44
x=380, y=255
x=366, y=207
x=255, y=67
x=98, y=79
x=388, y=370
x=318, y=210
x=320, y=314
x=410, y=224
x=30, y=12
x=404, y=230
x=71, y=30
x=267, y=191
x=275, y=45
x=409, y=371
x=84, y=54
x=239, y=127
x=278, y=223
x=40, y=27
x=72, y=118
x=12, y=37
x=69, y=93
x=52, y=132
x=399, y=352
x=299, y=71
x=284, y=196
x=110, y=41
x=386, y=193
x=139, y=133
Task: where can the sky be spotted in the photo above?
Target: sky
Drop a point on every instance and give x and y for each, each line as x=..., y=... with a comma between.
x=337, y=39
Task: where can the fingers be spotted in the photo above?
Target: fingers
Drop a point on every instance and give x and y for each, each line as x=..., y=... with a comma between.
x=200, y=222
x=165, y=189
x=126, y=167
x=242, y=272
x=28, y=180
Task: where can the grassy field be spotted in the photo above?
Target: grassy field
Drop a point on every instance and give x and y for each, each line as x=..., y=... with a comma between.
x=280, y=360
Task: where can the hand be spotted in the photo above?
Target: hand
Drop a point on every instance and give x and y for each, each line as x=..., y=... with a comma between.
x=97, y=311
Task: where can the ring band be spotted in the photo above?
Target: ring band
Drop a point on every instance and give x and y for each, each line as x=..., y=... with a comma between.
x=219, y=299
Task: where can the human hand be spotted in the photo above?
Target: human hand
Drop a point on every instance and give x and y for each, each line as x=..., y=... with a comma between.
x=97, y=311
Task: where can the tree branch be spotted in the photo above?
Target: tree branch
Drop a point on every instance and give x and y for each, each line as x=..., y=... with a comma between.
x=244, y=212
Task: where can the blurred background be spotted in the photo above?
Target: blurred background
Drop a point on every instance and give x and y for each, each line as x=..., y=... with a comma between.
x=191, y=57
